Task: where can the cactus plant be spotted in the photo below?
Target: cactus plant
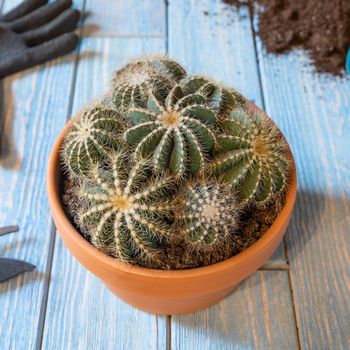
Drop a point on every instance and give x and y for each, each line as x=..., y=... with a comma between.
x=123, y=209
x=132, y=84
x=177, y=133
x=169, y=163
x=207, y=214
x=219, y=98
x=253, y=156
x=92, y=134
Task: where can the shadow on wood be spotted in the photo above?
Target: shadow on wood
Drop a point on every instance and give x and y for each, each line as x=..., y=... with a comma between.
x=258, y=314
x=20, y=281
x=8, y=154
x=312, y=211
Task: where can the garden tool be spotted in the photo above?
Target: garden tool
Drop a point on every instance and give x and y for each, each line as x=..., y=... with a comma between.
x=12, y=267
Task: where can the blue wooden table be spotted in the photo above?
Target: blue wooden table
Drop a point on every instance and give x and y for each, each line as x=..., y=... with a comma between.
x=299, y=299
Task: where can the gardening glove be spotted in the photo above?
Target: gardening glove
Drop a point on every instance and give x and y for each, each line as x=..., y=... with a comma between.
x=36, y=32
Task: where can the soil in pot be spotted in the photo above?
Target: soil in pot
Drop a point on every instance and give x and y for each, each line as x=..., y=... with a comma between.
x=254, y=222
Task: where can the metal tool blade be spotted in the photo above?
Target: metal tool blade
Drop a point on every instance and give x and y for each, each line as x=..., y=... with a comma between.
x=8, y=229
x=11, y=267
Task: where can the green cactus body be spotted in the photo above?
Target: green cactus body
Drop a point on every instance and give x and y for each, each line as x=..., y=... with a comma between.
x=133, y=83
x=208, y=214
x=177, y=133
x=253, y=156
x=125, y=211
x=93, y=133
x=220, y=99
x=167, y=163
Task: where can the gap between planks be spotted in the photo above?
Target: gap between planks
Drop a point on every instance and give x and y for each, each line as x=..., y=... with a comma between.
x=284, y=266
x=48, y=269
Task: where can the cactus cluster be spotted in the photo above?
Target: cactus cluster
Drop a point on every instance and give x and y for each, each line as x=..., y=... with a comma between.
x=167, y=159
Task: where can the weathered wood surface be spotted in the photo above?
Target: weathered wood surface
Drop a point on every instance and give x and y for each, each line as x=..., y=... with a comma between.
x=314, y=113
x=61, y=305
x=125, y=18
x=258, y=315
x=34, y=106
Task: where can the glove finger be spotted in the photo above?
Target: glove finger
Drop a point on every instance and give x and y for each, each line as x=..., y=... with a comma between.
x=39, y=54
x=40, y=16
x=22, y=9
x=54, y=48
x=66, y=22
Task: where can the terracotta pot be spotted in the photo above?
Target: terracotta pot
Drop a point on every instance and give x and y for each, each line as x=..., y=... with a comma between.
x=158, y=291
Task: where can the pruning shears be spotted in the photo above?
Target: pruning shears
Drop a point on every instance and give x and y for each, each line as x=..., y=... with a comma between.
x=11, y=267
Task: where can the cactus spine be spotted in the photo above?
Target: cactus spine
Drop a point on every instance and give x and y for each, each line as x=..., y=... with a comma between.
x=220, y=99
x=208, y=214
x=253, y=156
x=167, y=163
x=133, y=83
x=177, y=133
x=126, y=211
x=93, y=133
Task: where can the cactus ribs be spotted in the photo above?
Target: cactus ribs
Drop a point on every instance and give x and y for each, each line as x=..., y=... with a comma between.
x=168, y=162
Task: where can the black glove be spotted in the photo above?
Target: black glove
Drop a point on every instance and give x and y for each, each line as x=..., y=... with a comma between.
x=36, y=32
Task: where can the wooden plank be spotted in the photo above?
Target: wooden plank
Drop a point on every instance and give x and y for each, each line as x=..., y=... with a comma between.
x=34, y=109
x=125, y=18
x=81, y=312
x=209, y=38
x=258, y=315
x=313, y=111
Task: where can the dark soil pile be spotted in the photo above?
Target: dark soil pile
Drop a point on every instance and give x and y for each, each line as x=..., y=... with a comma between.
x=322, y=27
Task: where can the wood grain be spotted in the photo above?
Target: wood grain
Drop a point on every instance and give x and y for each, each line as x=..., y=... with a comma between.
x=81, y=312
x=258, y=315
x=125, y=18
x=313, y=111
x=34, y=109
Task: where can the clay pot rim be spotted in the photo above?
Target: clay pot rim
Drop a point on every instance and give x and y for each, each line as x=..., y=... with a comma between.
x=111, y=263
